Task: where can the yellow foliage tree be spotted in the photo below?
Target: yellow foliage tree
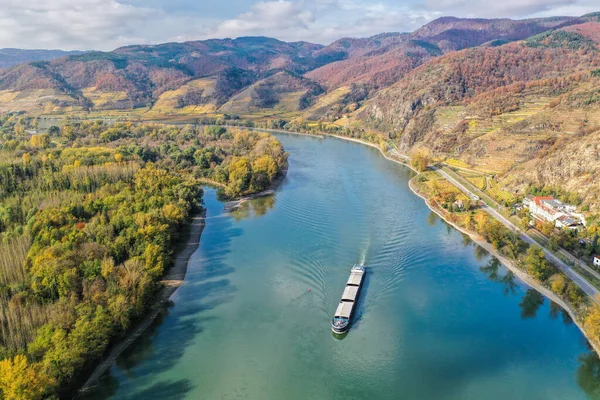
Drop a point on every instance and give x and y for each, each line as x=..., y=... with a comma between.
x=267, y=165
x=68, y=132
x=26, y=159
x=420, y=161
x=118, y=157
x=559, y=284
x=592, y=323
x=20, y=380
x=19, y=129
x=239, y=176
x=41, y=141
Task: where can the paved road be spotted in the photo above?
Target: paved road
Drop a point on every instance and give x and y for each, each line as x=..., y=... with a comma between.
x=587, y=287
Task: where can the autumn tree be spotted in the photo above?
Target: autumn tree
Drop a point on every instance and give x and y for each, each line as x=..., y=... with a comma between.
x=537, y=264
x=559, y=284
x=592, y=322
x=420, y=161
x=40, y=141
x=20, y=380
x=240, y=174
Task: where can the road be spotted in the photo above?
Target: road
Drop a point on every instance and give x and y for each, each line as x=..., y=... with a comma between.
x=587, y=287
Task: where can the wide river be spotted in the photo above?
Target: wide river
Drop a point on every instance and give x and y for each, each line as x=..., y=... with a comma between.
x=438, y=318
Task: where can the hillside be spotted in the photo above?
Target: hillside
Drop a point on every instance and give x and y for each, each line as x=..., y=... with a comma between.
x=383, y=59
x=206, y=76
x=283, y=89
x=526, y=111
x=136, y=76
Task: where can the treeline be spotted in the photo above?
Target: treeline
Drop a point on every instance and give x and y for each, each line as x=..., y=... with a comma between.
x=89, y=214
x=297, y=126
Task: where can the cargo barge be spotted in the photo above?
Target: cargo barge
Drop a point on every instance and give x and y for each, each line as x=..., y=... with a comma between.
x=340, y=323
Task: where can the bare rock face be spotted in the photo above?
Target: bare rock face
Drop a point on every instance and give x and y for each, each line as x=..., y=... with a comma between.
x=574, y=166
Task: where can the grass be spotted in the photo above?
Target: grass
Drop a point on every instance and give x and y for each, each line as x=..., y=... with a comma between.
x=586, y=275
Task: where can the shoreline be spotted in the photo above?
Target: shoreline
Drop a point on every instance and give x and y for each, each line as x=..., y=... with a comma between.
x=171, y=281
x=234, y=204
x=522, y=276
x=176, y=275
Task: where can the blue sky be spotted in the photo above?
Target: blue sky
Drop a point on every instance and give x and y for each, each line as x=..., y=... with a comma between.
x=107, y=24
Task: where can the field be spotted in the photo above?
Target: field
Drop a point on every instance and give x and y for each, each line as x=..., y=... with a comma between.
x=498, y=193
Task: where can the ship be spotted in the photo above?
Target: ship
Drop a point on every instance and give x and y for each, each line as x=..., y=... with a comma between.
x=340, y=322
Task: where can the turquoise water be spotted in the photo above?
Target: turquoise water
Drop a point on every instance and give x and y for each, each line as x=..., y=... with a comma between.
x=438, y=317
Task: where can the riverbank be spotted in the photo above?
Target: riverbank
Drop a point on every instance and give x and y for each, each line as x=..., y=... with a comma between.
x=172, y=280
x=234, y=204
x=387, y=157
x=524, y=277
x=349, y=139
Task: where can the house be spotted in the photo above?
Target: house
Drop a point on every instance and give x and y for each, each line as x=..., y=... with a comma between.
x=547, y=208
x=459, y=204
x=567, y=222
x=528, y=200
x=596, y=261
x=542, y=209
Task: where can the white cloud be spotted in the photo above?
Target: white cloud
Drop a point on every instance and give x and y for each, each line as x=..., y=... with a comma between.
x=512, y=8
x=320, y=21
x=269, y=16
x=69, y=24
x=106, y=24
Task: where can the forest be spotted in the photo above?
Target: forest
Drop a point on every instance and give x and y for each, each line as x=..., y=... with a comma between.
x=89, y=215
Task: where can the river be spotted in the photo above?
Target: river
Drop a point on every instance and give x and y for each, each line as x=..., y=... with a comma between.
x=439, y=318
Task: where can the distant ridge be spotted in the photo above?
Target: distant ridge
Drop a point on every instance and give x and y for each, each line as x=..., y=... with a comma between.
x=10, y=56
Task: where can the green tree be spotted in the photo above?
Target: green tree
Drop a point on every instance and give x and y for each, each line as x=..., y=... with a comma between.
x=536, y=263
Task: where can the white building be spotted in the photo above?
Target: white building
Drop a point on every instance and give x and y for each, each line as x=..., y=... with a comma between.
x=547, y=208
x=596, y=261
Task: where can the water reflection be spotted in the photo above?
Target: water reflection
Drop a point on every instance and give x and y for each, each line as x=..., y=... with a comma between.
x=556, y=310
x=432, y=219
x=254, y=208
x=531, y=303
x=481, y=253
x=588, y=374
x=492, y=268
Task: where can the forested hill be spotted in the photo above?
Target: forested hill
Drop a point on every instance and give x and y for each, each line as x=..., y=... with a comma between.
x=89, y=217
x=206, y=76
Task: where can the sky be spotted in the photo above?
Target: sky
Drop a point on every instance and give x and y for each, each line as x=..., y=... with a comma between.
x=108, y=24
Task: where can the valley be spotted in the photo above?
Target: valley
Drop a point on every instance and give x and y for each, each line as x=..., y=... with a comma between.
x=106, y=156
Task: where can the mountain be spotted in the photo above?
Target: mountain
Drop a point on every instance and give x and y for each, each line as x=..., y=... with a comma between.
x=137, y=76
x=251, y=73
x=527, y=111
x=10, y=57
x=383, y=59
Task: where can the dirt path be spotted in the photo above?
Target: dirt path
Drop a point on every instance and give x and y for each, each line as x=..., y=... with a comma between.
x=171, y=281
